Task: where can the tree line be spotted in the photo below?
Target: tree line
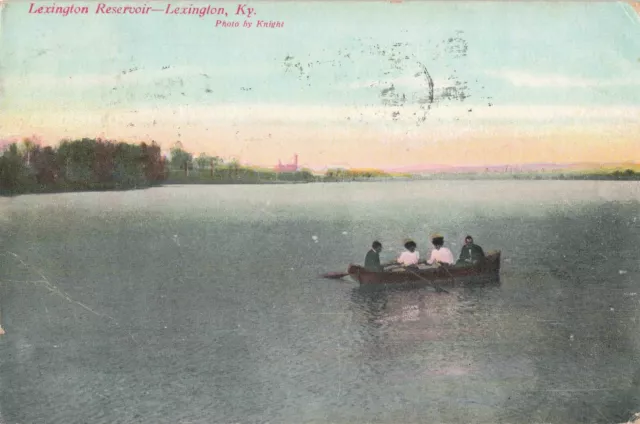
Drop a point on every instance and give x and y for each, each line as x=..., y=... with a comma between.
x=82, y=164
x=97, y=164
x=341, y=174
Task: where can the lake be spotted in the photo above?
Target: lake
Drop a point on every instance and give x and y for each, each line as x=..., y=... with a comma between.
x=201, y=304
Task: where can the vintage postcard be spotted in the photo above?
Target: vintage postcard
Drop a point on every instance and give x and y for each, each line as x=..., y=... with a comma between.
x=319, y=212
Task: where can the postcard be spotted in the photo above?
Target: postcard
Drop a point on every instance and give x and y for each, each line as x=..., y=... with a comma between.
x=319, y=211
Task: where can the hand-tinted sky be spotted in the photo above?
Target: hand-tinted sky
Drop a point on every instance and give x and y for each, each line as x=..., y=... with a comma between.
x=342, y=83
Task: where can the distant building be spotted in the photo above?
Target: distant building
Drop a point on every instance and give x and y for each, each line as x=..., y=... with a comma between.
x=289, y=167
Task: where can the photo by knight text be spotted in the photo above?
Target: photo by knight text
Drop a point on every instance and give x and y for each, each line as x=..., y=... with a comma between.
x=227, y=16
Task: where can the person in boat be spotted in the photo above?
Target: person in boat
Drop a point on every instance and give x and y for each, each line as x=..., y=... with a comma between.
x=410, y=257
x=440, y=254
x=471, y=253
x=372, y=259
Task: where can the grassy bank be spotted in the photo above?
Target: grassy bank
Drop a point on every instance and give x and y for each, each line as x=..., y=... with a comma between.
x=237, y=175
x=626, y=175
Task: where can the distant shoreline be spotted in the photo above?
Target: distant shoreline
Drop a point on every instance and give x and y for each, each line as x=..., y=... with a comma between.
x=96, y=187
x=105, y=165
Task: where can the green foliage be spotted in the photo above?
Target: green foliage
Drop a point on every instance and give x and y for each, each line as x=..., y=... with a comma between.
x=79, y=165
x=341, y=174
x=96, y=164
x=180, y=158
x=234, y=173
x=204, y=161
x=12, y=173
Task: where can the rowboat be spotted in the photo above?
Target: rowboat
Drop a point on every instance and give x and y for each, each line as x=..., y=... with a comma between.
x=487, y=270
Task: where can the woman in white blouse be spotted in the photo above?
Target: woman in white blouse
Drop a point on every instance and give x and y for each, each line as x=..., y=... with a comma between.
x=410, y=256
x=440, y=254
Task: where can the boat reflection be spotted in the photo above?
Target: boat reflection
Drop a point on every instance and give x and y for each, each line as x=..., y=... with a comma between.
x=400, y=321
x=404, y=304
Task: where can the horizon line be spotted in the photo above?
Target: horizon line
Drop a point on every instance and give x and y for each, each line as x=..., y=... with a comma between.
x=415, y=168
x=420, y=168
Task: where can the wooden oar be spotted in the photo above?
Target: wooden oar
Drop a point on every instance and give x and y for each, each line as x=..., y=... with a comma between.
x=339, y=275
x=437, y=287
x=335, y=275
x=448, y=272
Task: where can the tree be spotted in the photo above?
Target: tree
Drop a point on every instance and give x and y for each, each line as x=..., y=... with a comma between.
x=204, y=161
x=181, y=159
x=11, y=168
x=45, y=165
x=103, y=163
x=84, y=163
x=152, y=162
x=234, y=167
x=28, y=146
x=78, y=158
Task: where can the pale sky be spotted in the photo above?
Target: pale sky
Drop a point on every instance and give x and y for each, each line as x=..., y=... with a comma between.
x=513, y=82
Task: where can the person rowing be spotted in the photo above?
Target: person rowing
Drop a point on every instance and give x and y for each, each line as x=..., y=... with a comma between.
x=410, y=257
x=407, y=259
x=471, y=253
x=440, y=254
x=372, y=259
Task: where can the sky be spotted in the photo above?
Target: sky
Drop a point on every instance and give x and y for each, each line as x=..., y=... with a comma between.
x=355, y=84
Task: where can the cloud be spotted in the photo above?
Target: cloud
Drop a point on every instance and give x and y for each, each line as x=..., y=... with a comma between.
x=131, y=76
x=241, y=117
x=526, y=79
x=128, y=76
x=262, y=133
x=539, y=113
x=291, y=114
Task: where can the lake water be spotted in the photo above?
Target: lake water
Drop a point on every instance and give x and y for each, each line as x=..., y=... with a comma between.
x=201, y=304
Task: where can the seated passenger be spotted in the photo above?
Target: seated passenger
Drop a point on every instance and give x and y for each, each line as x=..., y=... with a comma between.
x=471, y=253
x=372, y=259
x=409, y=257
x=440, y=254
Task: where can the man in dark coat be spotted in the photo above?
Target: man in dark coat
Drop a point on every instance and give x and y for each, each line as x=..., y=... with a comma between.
x=372, y=260
x=471, y=253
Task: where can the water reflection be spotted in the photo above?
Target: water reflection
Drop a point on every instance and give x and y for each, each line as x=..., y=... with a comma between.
x=417, y=302
x=437, y=345
x=400, y=322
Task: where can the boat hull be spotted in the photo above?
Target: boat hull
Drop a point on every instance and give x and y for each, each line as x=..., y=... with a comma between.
x=488, y=270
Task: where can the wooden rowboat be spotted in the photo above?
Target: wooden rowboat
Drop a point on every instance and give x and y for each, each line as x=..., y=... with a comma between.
x=488, y=270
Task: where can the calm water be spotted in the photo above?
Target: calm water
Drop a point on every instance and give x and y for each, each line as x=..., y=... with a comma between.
x=201, y=304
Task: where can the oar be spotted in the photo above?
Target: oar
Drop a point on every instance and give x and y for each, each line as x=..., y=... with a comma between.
x=335, y=275
x=449, y=272
x=339, y=275
x=437, y=287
